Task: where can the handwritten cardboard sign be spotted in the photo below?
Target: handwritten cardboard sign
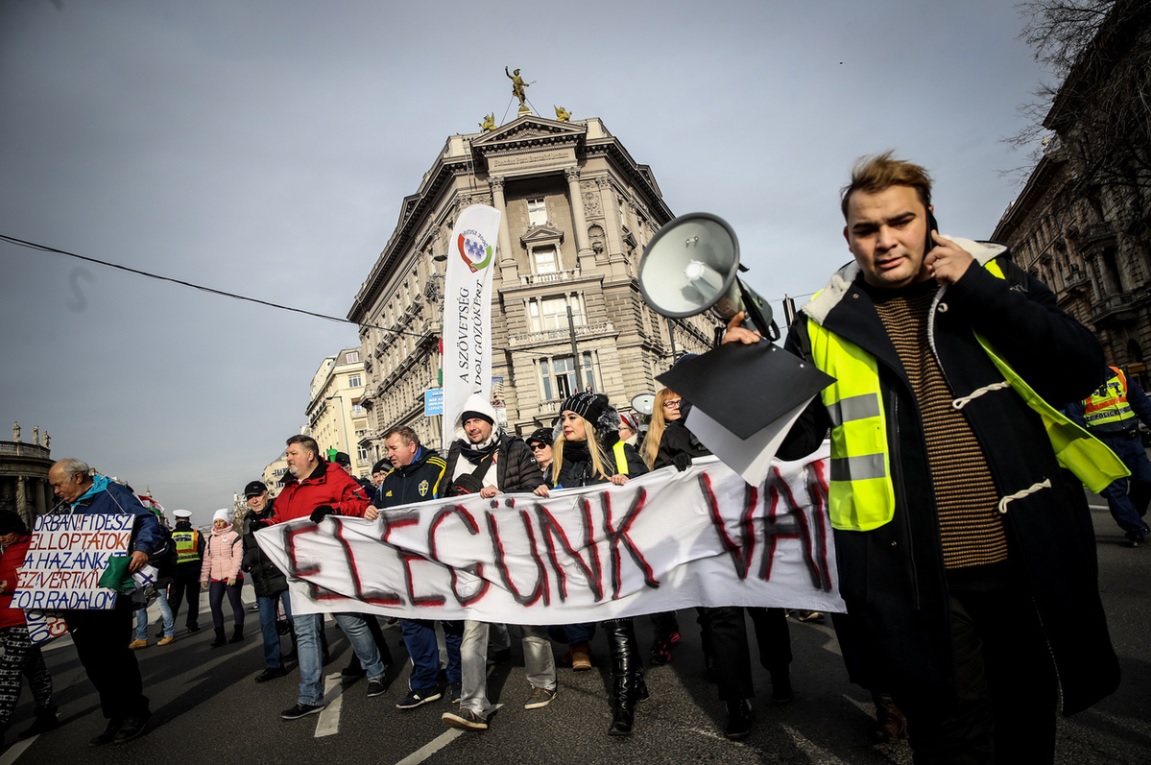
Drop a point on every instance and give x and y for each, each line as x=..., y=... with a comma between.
x=66, y=559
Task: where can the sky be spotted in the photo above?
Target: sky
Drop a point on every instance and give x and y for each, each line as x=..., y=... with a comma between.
x=264, y=148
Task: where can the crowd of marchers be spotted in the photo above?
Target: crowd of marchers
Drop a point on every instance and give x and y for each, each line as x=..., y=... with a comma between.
x=966, y=414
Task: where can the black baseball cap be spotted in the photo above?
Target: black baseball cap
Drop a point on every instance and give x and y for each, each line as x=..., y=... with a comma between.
x=342, y=458
x=254, y=489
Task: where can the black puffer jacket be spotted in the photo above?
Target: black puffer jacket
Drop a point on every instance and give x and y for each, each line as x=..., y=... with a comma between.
x=267, y=580
x=516, y=468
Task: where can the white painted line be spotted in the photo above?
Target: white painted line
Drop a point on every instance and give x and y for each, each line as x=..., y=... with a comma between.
x=329, y=723
x=18, y=748
x=430, y=748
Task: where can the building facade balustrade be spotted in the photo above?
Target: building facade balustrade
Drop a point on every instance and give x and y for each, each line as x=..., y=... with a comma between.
x=552, y=336
x=1113, y=309
x=554, y=277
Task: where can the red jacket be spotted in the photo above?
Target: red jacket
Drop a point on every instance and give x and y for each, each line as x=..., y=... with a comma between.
x=12, y=560
x=328, y=485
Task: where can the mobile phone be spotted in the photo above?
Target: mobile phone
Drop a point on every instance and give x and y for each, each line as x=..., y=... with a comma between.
x=932, y=225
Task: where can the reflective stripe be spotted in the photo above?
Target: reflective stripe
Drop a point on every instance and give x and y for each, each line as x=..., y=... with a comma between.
x=859, y=468
x=620, y=458
x=854, y=408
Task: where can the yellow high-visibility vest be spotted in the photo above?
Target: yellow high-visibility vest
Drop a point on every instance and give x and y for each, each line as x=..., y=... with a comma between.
x=1108, y=405
x=861, y=492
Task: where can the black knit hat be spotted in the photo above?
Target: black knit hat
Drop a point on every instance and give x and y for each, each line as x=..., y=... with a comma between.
x=595, y=408
x=542, y=435
x=472, y=414
x=588, y=405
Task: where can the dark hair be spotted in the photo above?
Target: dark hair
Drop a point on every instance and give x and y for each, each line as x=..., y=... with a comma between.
x=872, y=175
x=307, y=442
x=11, y=521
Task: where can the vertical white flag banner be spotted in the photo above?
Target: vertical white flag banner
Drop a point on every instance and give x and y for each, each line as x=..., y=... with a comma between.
x=468, y=311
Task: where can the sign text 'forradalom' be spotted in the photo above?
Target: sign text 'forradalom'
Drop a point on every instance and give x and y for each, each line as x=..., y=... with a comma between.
x=66, y=558
x=662, y=542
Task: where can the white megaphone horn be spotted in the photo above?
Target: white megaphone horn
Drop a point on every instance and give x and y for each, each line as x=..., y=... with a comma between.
x=692, y=265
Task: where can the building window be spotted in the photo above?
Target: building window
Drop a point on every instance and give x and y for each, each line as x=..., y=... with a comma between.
x=545, y=260
x=358, y=410
x=362, y=454
x=537, y=212
x=351, y=357
x=559, y=378
x=547, y=314
x=355, y=381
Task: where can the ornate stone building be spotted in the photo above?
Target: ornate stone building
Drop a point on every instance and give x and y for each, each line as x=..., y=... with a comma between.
x=336, y=415
x=24, y=466
x=1083, y=222
x=577, y=212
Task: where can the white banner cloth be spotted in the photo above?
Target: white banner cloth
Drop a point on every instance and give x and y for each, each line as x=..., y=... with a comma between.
x=662, y=542
x=467, y=311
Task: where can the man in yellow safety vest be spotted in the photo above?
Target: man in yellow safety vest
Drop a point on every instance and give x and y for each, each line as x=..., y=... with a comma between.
x=1112, y=414
x=965, y=549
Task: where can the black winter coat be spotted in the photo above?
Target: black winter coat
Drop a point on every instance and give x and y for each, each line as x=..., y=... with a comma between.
x=576, y=468
x=892, y=578
x=267, y=579
x=516, y=468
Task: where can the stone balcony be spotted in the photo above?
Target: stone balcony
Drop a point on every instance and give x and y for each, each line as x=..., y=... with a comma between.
x=553, y=336
x=556, y=277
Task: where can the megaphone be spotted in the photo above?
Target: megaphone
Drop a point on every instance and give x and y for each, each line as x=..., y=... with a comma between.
x=691, y=265
x=644, y=403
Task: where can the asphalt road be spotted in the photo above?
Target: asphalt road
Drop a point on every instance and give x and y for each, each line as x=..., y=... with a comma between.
x=207, y=709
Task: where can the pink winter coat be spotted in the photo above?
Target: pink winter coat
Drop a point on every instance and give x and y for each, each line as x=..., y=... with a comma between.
x=222, y=556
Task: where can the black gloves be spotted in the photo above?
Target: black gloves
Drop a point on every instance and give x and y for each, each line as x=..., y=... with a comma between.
x=321, y=512
x=681, y=461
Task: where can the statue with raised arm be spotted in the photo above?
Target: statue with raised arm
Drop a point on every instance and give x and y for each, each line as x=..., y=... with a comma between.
x=518, y=86
x=489, y=123
x=562, y=114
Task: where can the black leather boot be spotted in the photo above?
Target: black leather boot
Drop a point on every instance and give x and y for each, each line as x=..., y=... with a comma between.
x=237, y=634
x=627, y=675
x=220, y=640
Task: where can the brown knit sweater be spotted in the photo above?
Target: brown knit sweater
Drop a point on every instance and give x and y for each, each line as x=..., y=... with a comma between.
x=966, y=500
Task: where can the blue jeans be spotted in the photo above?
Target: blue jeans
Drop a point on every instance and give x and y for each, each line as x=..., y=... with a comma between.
x=273, y=658
x=1127, y=508
x=420, y=639
x=572, y=633
x=165, y=614
x=311, y=657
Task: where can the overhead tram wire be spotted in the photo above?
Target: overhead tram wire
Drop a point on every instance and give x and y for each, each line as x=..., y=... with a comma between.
x=224, y=293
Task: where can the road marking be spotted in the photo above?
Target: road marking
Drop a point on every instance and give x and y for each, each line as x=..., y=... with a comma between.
x=329, y=723
x=13, y=753
x=430, y=748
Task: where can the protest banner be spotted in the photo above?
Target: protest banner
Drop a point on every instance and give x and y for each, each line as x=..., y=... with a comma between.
x=66, y=558
x=467, y=363
x=664, y=541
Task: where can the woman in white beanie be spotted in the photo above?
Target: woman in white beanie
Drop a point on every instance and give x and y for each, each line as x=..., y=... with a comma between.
x=220, y=573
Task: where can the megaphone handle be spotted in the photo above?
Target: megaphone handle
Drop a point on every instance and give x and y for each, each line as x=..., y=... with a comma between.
x=766, y=328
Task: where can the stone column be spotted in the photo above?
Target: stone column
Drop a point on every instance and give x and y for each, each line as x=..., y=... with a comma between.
x=579, y=219
x=614, y=226
x=508, y=270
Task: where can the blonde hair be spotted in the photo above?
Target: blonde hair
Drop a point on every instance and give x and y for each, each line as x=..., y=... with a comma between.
x=655, y=428
x=598, y=458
